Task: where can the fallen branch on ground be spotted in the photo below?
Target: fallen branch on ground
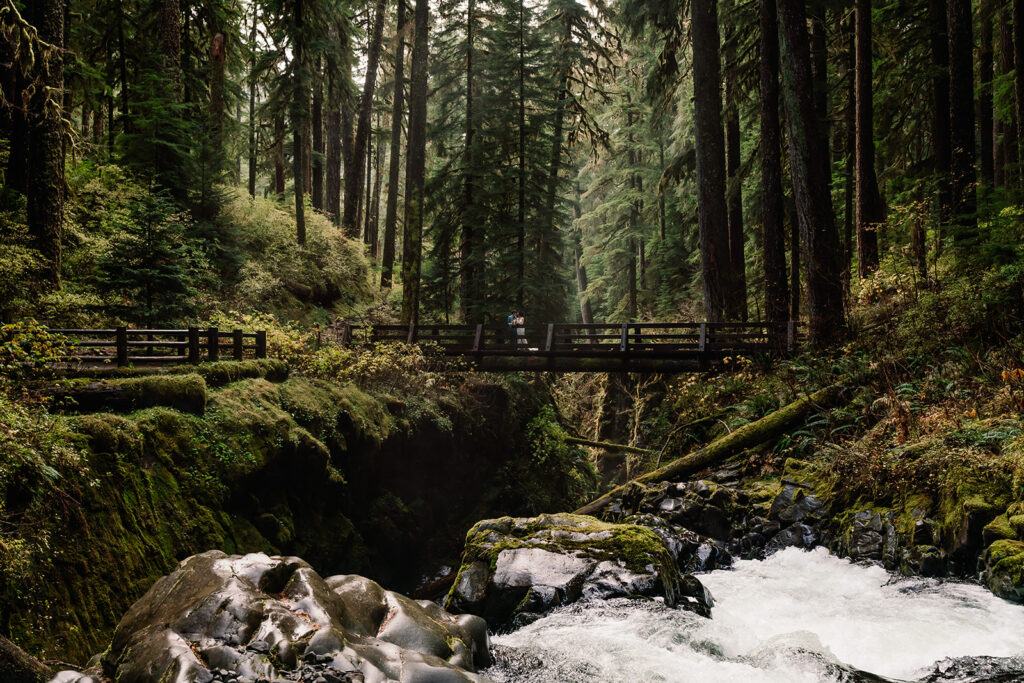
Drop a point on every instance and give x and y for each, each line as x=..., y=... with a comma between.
x=768, y=427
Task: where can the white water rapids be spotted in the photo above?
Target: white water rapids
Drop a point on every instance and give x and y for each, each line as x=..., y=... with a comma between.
x=797, y=616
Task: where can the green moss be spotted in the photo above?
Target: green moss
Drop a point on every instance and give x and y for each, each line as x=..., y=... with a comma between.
x=635, y=546
x=999, y=528
x=1007, y=557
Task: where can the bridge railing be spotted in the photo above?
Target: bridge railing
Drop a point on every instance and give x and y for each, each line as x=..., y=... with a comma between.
x=124, y=346
x=648, y=340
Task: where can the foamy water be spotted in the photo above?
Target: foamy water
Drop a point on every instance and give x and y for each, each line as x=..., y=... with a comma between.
x=797, y=616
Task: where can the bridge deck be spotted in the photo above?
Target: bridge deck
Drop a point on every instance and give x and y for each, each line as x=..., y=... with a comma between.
x=568, y=347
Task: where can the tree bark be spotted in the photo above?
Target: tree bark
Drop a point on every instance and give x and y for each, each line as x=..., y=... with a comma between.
x=940, y=107
x=317, y=161
x=819, y=66
x=395, y=152
x=870, y=213
x=471, y=296
x=1007, y=162
x=736, y=301
x=333, y=143
x=521, y=196
x=985, y=105
x=412, y=252
x=354, y=172
x=45, y=186
x=279, y=133
x=712, y=214
x=300, y=110
x=961, y=124
x=826, y=321
x=1018, y=84
x=773, y=241
x=252, y=101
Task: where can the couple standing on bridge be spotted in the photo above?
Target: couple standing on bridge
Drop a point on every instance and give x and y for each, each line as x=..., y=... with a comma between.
x=516, y=328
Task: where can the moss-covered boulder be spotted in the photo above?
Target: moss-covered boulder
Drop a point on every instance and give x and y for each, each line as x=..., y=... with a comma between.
x=514, y=569
x=1004, y=569
x=248, y=617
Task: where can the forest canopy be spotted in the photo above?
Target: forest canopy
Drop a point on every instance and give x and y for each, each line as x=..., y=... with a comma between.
x=598, y=161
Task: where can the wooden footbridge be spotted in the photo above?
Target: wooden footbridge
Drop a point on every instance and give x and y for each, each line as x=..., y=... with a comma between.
x=575, y=347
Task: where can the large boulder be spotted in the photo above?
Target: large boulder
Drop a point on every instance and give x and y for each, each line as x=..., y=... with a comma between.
x=257, y=618
x=515, y=569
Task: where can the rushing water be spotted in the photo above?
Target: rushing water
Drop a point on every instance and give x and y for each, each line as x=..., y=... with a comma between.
x=797, y=616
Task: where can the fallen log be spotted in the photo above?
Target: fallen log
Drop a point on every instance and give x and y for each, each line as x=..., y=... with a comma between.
x=181, y=392
x=768, y=427
x=17, y=666
x=609, y=446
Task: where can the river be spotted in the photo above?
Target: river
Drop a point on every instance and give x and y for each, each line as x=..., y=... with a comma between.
x=796, y=616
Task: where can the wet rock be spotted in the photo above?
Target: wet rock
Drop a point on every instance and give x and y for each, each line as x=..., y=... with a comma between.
x=244, y=619
x=1003, y=569
x=552, y=560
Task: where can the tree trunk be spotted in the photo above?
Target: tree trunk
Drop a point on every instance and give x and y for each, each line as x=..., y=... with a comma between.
x=826, y=323
x=45, y=188
x=961, y=123
x=712, y=215
x=412, y=252
x=471, y=296
x=586, y=311
x=375, y=202
x=521, y=198
x=870, y=213
x=1007, y=157
x=985, y=115
x=354, y=175
x=1018, y=84
x=940, y=106
x=252, y=101
x=279, y=133
x=394, y=163
x=849, y=175
x=773, y=241
x=736, y=301
x=819, y=66
x=299, y=113
x=333, y=145
x=218, y=102
x=317, y=162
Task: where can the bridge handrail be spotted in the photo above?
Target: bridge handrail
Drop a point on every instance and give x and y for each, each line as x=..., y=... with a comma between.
x=584, y=339
x=188, y=345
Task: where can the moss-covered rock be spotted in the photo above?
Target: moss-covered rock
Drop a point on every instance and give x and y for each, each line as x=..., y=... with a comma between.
x=514, y=569
x=1004, y=569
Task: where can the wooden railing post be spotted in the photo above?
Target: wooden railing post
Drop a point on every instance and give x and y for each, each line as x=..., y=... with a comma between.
x=213, y=344
x=346, y=334
x=703, y=337
x=624, y=343
x=550, y=342
x=121, y=345
x=261, y=344
x=238, y=344
x=478, y=337
x=193, y=345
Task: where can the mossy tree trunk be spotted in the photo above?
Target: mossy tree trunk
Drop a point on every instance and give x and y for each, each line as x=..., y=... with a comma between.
x=45, y=186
